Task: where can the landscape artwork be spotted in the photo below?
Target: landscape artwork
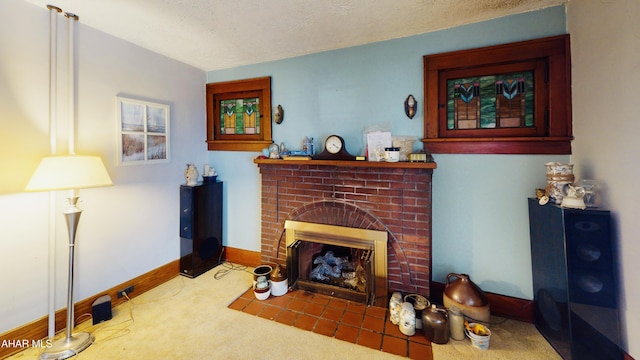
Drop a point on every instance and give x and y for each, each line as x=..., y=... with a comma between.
x=144, y=131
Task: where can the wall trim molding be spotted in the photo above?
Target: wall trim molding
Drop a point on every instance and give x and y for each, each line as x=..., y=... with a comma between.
x=242, y=256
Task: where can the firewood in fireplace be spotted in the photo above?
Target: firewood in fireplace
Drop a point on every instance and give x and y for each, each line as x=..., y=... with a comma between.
x=339, y=271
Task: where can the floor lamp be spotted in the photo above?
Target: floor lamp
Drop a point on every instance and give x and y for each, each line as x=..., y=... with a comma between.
x=69, y=173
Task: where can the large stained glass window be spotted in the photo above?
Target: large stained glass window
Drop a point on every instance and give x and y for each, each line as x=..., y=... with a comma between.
x=503, y=99
x=495, y=101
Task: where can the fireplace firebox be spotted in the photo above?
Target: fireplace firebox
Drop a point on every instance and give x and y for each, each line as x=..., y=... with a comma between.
x=345, y=262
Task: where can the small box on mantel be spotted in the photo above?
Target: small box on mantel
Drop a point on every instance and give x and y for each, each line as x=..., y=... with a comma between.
x=418, y=157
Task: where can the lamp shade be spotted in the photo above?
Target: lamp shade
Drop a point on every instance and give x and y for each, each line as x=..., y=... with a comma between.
x=69, y=172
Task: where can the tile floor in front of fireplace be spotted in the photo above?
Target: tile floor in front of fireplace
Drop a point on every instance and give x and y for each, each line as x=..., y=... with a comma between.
x=345, y=320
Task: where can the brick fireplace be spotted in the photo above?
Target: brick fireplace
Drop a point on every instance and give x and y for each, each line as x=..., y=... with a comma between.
x=391, y=197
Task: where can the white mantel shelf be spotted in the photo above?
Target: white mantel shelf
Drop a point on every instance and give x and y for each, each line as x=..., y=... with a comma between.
x=349, y=163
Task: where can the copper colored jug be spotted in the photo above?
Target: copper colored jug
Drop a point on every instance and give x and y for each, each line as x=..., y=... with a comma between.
x=467, y=296
x=277, y=274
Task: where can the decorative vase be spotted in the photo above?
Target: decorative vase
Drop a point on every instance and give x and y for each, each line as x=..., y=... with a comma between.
x=395, y=305
x=191, y=175
x=407, y=324
x=559, y=176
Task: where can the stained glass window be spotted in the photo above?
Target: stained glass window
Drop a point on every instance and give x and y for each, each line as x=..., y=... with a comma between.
x=495, y=101
x=240, y=116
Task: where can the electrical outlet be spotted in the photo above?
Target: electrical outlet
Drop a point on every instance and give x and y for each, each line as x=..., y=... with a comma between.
x=127, y=290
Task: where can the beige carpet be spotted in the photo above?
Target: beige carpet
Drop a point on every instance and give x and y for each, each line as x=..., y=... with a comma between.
x=189, y=319
x=509, y=340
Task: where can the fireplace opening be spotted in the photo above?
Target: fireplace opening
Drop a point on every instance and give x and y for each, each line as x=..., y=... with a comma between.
x=333, y=270
x=341, y=266
x=345, y=262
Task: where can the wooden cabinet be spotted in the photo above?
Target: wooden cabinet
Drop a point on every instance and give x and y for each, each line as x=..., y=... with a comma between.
x=200, y=228
x=574, y=281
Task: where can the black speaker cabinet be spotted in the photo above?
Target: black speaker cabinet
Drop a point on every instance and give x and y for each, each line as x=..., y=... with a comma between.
x=200, y=227
x=575, y=281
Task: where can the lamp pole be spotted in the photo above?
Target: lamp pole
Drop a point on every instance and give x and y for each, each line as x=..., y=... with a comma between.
x=71, y=344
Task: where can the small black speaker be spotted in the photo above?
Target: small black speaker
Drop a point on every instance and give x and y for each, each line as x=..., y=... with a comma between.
x=101, y=309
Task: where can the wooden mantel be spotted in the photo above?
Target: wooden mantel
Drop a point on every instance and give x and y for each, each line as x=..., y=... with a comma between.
x=347, y=163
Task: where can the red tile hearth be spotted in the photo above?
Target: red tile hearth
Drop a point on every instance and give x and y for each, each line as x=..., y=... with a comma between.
x=345, y=320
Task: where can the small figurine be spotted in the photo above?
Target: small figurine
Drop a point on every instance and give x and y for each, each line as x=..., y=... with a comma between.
x=191, y=175
x=274, y=151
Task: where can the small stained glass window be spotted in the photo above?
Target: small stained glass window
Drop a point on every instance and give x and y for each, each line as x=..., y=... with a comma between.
x=240, y=116
x=495, y=101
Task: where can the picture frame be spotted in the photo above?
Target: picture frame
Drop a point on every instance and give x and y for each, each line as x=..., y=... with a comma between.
x=239, y=115
x=534, y=76
x=143, y=131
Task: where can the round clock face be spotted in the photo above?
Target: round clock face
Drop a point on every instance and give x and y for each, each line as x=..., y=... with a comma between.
x=333, y=144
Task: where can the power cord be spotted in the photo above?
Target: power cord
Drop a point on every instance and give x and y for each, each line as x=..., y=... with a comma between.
x=228, y=267
x=166, y=297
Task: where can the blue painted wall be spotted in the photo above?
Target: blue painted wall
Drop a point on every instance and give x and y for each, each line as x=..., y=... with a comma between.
x=480, y=220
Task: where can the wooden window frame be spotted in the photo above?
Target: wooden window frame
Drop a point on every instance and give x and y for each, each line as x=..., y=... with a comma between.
x=548, y=58
x=248, y=88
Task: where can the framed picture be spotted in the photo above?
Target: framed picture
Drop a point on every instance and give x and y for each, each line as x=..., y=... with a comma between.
x=239, y=115
x=143, y=131
x=504, y=99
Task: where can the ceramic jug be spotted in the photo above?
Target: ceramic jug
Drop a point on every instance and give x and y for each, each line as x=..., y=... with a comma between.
x=419, y=303
x=467, y=296
x=279, y=283
x=435, y=324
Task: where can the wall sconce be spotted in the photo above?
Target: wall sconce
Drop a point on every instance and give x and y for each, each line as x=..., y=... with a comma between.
x=410, y=106
x=278, y=115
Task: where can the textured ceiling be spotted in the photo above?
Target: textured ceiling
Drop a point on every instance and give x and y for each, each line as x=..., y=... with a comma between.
x=217, y=34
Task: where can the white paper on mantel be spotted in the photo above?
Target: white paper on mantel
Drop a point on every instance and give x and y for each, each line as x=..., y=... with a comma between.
x=376, y=142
